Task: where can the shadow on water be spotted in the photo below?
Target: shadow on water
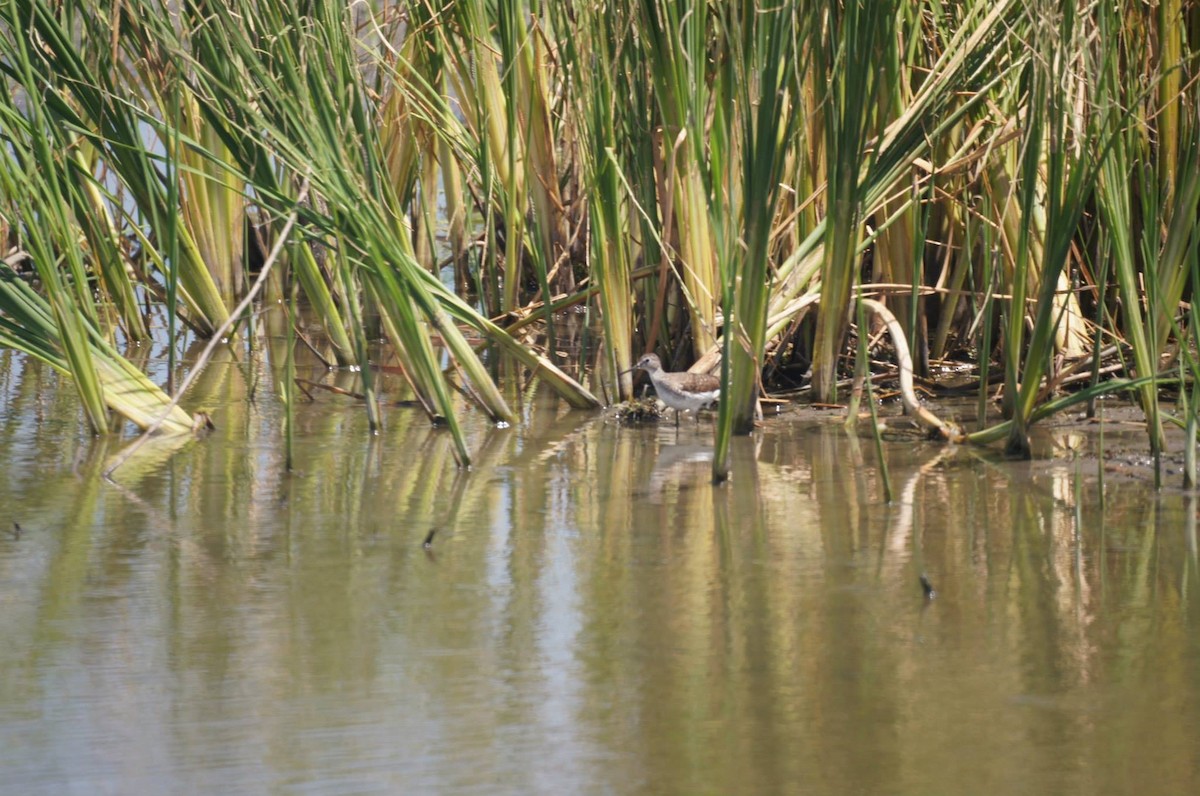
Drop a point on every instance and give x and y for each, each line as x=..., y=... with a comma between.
x=582, y=611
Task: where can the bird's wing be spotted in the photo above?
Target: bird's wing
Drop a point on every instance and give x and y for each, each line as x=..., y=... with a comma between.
x=700, y=382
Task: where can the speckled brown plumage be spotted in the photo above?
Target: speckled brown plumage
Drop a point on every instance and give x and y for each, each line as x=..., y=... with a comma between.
x=696, y=382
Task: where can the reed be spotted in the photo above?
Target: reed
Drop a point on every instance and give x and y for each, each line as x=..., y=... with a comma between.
x=846, y=57
x=1116, y=194
x=594, y=62
x=701, y=172
x=674, y=37
x=758, y=95
x=61, y=325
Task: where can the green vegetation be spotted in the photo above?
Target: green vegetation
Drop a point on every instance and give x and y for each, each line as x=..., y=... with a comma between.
x=1017, y=181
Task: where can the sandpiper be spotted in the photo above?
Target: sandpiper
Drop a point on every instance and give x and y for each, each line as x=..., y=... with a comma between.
x=686, y=391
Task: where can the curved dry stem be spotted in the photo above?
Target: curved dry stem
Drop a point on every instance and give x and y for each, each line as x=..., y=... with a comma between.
x=904, y=361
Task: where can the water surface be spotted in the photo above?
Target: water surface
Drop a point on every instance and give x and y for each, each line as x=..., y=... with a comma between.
x=593, y=616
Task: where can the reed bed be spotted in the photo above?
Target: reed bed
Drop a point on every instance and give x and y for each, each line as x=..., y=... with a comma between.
x=1016, y=180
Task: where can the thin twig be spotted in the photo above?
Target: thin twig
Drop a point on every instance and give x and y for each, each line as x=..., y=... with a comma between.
x=218, y=335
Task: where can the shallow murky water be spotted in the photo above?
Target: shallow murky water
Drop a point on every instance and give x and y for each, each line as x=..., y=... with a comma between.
x=593, y=617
